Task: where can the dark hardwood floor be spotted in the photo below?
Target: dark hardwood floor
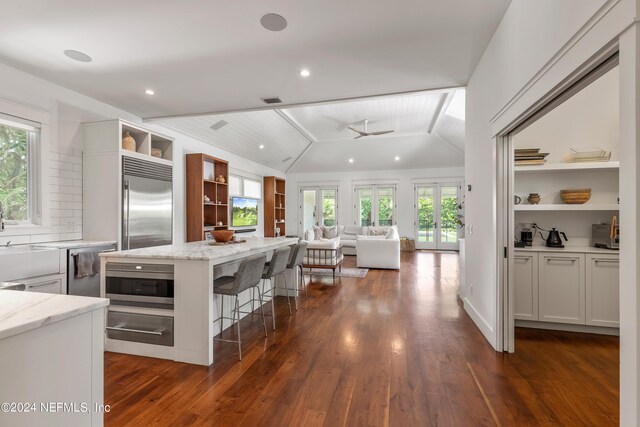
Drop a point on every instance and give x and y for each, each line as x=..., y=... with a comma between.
x=394, y=348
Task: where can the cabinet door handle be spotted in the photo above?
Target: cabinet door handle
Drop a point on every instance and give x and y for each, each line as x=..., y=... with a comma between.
x=526, y=258
x=562, y=259
x=37, y=285
x=606, y=260
x=139, y=331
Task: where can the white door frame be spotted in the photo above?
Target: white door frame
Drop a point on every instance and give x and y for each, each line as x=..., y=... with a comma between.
x=318, y=208
x=374, y=202
x=437, y=243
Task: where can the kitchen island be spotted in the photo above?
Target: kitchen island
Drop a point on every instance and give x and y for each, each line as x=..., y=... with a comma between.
x=189, y=318
x=51, y=359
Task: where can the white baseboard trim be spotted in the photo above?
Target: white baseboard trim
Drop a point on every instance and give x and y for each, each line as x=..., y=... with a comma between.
x=567, y=327
x=481, y=323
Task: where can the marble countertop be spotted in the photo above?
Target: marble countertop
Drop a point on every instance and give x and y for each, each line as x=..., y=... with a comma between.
x=68, y=244
x=203, y=251
x=575, y=249
x=24, y=311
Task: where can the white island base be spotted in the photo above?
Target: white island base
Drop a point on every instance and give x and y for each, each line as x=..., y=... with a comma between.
x=195, y=306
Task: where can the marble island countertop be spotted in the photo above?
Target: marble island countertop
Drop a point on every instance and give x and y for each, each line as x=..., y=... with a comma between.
x=24, y=311
x=203, y=251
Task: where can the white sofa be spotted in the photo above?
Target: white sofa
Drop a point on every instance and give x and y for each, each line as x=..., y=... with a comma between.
x=373, y=239
x=379, y=251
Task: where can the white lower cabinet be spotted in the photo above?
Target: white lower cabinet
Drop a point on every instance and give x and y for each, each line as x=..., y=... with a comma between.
x=561, y=282
x=52, y=284
x=603, y=290
x=525, y=277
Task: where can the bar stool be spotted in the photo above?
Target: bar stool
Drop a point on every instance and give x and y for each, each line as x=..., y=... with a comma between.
x=276, y=266
x=248, y=276
x=295, y=261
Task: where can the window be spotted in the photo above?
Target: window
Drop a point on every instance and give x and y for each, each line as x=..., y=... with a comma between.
x=375, y=205
x=246, y=187
x=18, y=148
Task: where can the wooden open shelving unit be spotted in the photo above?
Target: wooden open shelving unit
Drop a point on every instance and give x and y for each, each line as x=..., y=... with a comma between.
x=274, y=206
x=203, y=217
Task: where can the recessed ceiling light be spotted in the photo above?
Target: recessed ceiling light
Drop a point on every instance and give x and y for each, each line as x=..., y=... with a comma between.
x=397, y=158
x=261, y=146
x=149, y=92
x=77, y=55
x=350, y=160
x=273, y=22
x=305, y=73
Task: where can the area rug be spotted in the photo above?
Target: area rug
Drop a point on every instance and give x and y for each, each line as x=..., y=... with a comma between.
x=346, y=272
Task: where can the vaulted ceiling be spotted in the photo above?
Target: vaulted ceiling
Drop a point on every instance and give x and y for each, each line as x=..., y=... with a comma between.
x=428, y=131
x=204, y=57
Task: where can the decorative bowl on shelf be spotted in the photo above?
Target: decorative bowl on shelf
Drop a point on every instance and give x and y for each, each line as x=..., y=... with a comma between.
x=575, y=196
x=156, y=152
x=534, y=198
x=223, y=235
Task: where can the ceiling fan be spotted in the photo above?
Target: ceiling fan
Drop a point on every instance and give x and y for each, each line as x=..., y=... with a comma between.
x=366, y=131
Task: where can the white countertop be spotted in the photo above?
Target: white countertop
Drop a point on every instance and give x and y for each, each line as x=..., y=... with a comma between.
x=203, y=251
x=23, y=311
x=67, y=244
x=574, y=249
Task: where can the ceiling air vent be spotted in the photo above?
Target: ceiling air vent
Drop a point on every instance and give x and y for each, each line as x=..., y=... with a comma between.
x=274, y=100
x=218, y=125
x=285, y=160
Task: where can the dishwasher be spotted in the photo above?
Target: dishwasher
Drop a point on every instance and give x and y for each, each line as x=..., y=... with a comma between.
x=83, y=269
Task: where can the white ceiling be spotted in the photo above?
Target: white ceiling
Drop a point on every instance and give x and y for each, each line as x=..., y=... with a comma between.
x=315, y=138
x=214, y=56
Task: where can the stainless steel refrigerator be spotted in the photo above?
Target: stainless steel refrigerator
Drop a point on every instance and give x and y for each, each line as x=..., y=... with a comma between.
x=147, y=204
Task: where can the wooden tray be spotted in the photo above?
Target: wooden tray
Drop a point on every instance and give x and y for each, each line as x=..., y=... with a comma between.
x=233, y=242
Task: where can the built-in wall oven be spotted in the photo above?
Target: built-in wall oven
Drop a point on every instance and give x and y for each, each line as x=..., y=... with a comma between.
x=140, y=285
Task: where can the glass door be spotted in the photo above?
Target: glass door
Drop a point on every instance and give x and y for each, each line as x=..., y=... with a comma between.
x=436, y=216
x=375, y=205
x=425, y=219
x=318, y=206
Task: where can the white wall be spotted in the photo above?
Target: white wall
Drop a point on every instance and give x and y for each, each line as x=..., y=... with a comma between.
x=67, y=111
x=537, y=46
x=184, y=145
x=62, y=171
x=403, y=179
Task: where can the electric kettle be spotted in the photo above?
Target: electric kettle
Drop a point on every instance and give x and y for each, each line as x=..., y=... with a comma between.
x=553, y=240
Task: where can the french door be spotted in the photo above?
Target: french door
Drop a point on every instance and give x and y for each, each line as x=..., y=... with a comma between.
x=436, y=214
x=318, y=206
x=375, y=205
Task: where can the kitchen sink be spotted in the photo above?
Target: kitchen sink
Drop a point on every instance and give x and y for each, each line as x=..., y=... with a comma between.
x=24, y=261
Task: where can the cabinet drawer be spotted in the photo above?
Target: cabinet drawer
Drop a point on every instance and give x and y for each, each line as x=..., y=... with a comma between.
x=141, y=328
x=46, y=284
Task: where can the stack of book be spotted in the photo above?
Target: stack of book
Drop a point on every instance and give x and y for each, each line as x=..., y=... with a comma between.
x=588, y=154
x=529, y=156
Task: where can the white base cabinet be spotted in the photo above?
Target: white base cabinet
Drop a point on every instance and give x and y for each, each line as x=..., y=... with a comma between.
x=52, y=284
x=603, y=291
x=561, y=287
x=574, y=288
x=525, y=277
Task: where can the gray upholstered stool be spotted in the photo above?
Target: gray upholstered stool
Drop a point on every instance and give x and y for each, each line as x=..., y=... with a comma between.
x=295, y=262
x=276, y=266
x=248, y=276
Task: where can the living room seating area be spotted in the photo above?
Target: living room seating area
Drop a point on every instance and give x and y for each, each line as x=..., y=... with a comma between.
x=374, y=247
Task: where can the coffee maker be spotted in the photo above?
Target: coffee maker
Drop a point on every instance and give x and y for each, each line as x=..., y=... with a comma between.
x=526, y=234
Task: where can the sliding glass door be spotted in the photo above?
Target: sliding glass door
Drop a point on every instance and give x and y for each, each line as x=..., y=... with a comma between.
x=318, y=206
x=375, y=205
x=436, y=216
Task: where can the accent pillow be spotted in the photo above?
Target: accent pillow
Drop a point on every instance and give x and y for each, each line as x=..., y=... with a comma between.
x=352, y=229
x=391, y=233
x=329, y=232
x=317, y=232
x=377, y=231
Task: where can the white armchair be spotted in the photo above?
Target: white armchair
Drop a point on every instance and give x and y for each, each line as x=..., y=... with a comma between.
x=379, y=251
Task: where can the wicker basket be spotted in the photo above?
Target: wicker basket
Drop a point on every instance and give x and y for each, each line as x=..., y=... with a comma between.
x=575, y=196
